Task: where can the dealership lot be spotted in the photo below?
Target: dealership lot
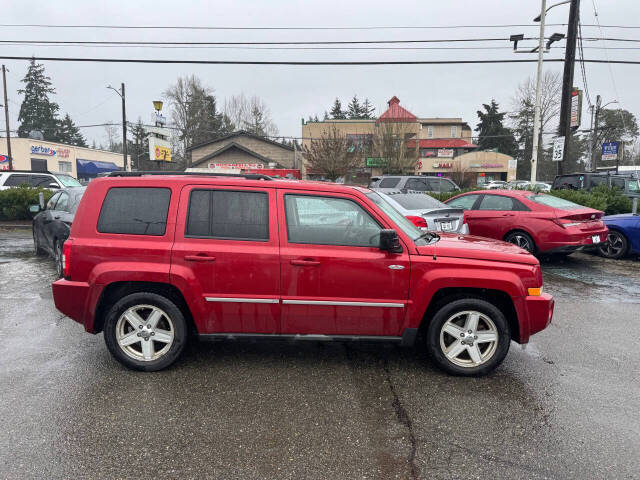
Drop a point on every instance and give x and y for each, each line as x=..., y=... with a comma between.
x=563, y=407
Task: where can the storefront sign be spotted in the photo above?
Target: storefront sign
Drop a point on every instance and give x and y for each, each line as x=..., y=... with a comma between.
x=236, y=166
x=376, y=162
x=487, y=165
x=4, y=162
x=49, y=152
x=576, y=107
x=159, y=150
x=442, y=165
x=446, y=152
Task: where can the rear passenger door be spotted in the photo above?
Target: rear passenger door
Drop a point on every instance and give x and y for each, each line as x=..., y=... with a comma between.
x=226, y=247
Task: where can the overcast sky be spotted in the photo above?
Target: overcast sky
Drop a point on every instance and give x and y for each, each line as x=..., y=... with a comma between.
x=295, y=92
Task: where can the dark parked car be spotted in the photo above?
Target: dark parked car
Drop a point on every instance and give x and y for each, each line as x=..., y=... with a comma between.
x=419, y=183
x=52, y=224
x=624, y=235
x=629, y=185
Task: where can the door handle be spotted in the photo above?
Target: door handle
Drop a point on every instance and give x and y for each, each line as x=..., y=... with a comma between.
x=199, y=258
x=508, y=214
x=57, y=218
x=305, y=263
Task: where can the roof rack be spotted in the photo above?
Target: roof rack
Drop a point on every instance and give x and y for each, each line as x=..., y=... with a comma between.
x=248, y=176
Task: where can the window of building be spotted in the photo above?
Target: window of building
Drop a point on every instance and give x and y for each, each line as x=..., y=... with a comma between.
x=329, y=221
x=135, y=211
x=228, y=214
x=430, y=131
x=64, y=167
x=38, y=165
x=454, y=131
x=359, y=142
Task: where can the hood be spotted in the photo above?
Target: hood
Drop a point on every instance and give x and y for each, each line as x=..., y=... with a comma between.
x=477, y=248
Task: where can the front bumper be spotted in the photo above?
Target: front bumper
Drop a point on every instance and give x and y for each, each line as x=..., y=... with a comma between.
x=539, y=312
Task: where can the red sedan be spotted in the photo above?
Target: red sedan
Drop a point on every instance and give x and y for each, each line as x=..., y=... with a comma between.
x=537, y=222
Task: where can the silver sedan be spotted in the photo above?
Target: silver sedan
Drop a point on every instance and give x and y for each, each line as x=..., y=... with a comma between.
x=426, y=212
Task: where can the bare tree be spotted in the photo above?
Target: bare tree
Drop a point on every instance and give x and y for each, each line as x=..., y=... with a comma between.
x=460, y=175
x=251, y=114
x=329, y=155
x=112, y=133
x=390, y=143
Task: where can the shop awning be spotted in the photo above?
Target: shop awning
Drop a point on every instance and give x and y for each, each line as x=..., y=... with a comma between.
x=93, y=167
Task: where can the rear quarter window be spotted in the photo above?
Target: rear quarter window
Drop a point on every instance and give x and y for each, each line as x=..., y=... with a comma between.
x=135, y=211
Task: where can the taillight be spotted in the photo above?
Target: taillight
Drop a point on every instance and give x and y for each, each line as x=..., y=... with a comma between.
x=566, y=223
x=66, y=260
x=418, y=221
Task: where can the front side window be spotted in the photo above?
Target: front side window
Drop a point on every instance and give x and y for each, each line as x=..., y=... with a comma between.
x=389, y=182
x=63, y=202
x=496, y=202
x=228, y=214
x=466, y=202
x=446, y=185
x=418, y=184
x=135, y=211
x=618, y=183
x=329, y=221
x=52, y=201
x=597, y=181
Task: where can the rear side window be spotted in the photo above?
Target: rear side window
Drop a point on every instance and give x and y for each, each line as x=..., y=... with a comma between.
x=228, y=214
x=418, y=184
x=135, y=211
x=42, y=181
x=16, y=180
x=447, y=186
x=389, y=182
x=496, y=202
x=596, y=181
x=618, y=182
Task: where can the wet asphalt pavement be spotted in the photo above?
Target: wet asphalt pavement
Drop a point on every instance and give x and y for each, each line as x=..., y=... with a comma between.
x=567, y=406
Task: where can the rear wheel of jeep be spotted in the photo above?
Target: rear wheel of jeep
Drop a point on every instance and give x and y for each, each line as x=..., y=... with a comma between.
x=145, y=331
x=468, y=337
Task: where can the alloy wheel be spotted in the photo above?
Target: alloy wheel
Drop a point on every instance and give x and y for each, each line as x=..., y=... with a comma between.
x=469, y=338
x=521, y=241
x=614, y=247
x=144, y=332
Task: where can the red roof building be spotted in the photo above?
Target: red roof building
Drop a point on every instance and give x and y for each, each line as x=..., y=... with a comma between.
x=396, y=113
x=442, y=143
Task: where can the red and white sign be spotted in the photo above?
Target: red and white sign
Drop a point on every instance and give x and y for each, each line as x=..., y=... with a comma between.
x=442, y=165
x=445, y=152
x=236, y=166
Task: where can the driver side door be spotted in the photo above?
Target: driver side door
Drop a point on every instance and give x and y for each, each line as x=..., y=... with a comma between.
x=335, y=280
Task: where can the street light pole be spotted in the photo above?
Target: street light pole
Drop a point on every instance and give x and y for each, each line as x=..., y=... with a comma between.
x=124, y=123
x=536, y=118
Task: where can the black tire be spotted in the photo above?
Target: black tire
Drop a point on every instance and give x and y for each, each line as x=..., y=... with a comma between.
x=175, y=319
x=57, y=256
x=616, y=246
x=495, y=353
x=522, y=239
x=36, y=245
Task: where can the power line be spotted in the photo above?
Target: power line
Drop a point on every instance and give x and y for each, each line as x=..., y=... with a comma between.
x=581, y=60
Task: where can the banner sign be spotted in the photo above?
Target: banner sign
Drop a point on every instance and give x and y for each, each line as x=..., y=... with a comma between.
x=445, y=152
x=236, y=166
x=610, y=151
x=50, y=152
x=576, y=108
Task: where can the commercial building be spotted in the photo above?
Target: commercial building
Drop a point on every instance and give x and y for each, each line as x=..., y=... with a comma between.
x=42, y=156
x=242, y=151
x=442, y=145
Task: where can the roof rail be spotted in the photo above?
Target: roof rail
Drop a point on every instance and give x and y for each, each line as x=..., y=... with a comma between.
x=248, y=176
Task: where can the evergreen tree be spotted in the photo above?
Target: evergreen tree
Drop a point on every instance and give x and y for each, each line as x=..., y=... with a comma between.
x=368, y=110
x=37, y=112
x=138, y=147
x=354, y=109
x=326, y=115
x=336, y=111
x=70, y=134
x=492, y=134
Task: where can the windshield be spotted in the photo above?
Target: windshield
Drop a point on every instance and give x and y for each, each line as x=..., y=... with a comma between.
x=400, y=220
x=555, y=202
x=417, y=201
x=68, y=181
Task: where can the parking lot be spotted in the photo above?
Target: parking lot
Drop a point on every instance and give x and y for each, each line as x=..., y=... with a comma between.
x=566, y=406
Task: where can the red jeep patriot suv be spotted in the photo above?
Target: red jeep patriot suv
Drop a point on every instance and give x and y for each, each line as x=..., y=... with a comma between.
x=152, y=259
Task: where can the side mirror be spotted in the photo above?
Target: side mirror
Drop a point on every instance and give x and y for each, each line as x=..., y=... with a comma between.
x=54, y=185
x=41, y=200
x=390, y=242
x=34, y=210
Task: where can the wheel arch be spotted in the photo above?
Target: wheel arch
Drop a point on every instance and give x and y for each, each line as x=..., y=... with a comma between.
x=116, y=290
x=500, y=299
x=520, y=229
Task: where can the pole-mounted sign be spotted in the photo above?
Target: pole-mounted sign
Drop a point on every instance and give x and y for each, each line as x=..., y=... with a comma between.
x=558, y=149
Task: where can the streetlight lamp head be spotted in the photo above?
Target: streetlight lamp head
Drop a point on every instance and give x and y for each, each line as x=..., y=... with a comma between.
x=157, y=104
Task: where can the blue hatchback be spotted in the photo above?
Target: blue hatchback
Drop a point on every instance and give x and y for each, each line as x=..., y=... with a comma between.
x=624, y=235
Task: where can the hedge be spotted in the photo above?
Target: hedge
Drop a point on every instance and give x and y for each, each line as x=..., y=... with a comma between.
x=609, y=200
x=15, y=202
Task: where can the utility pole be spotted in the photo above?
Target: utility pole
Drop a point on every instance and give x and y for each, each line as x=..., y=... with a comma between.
x=6, y=117
x=564, y=129
x=594, y=131
x=591, y=141
x=536, y=119
x=124, y=127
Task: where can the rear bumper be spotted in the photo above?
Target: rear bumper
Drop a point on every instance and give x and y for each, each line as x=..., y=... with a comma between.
x=539, y=311
x=575, y=242
x=71, y=298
